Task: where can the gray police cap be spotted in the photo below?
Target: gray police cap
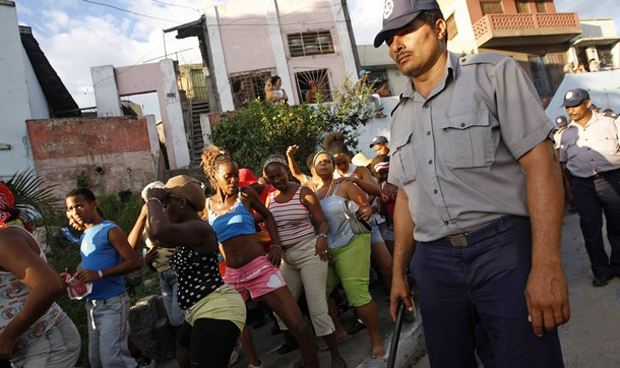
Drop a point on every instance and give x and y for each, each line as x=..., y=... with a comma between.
x=575, y=97
x=399, y=13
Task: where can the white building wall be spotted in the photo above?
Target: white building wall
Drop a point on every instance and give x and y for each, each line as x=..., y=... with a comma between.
x=464, y=41
x=38, y=102
x=16, y=105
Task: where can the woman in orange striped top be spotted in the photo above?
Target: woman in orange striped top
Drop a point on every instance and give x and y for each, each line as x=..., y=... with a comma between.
x=305, y=253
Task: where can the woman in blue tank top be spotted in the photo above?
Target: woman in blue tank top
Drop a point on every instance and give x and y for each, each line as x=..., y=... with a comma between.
x=248, y=269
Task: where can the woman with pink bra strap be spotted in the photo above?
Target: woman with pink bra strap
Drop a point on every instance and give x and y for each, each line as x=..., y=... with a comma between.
x=306, y=254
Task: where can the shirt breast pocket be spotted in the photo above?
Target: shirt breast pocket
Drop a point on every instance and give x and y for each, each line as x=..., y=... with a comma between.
x=403, y=159
x=468, y=141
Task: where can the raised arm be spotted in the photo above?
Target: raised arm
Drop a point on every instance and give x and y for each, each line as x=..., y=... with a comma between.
x=18, y=258
x=297, y=174
x=195, y=234
x=135, y=236
x=546, y=291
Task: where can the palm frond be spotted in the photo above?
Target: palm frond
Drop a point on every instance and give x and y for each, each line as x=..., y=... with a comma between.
x=35, y=199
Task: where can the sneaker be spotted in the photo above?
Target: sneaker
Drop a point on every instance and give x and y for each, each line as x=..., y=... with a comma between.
x=235, y=355
x=356, y=327
x=260, y=365
x=146, y=362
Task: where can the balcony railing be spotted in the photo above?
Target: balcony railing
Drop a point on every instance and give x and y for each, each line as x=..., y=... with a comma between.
x=564, y=25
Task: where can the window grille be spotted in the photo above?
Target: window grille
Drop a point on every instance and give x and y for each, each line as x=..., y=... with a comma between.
x=310, y=43
x=253, y=82
x=317, y=79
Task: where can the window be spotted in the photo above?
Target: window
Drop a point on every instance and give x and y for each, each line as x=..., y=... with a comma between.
x=491, y=7
x=605, y=55
x=310, y=43
x=253, y=82
x=452, y=30
x=540, y=7
x=541, y=74
x=522, y=6
x=311, y=83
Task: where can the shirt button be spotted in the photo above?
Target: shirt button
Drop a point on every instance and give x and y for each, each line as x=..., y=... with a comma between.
x=462, y=125
x=435, y=191
x=445, y=222
x=428, y=133
x=430, y=162
x=425, y=105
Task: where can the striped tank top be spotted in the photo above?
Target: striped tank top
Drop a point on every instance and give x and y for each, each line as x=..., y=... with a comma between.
x=292, y=219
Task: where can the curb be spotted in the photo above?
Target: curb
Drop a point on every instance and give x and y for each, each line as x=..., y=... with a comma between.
x=411, y=347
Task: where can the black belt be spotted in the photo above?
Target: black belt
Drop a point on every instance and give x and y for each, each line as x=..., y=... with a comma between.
x=473, y=237
x=603, y=175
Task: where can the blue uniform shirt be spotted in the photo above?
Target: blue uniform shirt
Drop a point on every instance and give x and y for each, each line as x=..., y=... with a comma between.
x=98, y=254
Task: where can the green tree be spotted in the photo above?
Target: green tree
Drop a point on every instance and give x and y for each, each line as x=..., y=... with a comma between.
x=262, y=128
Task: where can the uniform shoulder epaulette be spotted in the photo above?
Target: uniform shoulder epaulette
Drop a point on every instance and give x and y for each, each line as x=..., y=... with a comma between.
x=400, y=101
x=481, y=59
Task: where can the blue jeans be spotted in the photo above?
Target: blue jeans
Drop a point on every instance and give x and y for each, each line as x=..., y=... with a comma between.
x=59, y=347
x=169, y=287
x=474, y=296
x=107, y=333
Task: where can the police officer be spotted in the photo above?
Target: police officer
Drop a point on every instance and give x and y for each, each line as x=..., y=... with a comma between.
x=590, y=150
x=481, y=194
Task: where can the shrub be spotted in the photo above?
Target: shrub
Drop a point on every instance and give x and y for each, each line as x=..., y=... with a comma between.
x=263, y=128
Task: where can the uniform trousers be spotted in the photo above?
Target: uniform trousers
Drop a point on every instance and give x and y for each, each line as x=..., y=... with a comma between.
x=593, y=198
x=481, y=285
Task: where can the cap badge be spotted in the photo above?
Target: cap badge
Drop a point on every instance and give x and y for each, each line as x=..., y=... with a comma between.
x=569, y=95
x=388, y=8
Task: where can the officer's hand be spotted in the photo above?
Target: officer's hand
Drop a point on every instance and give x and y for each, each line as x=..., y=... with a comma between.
x=546, y=294
x=400, y=291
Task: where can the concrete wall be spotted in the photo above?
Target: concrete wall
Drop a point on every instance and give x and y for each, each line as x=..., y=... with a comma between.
x=21, y=96
x=598, y=27
x=116, y=153
x=111, y=83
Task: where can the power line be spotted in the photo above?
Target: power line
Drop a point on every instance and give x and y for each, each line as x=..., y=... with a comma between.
x=177, y=5
x=130, y=11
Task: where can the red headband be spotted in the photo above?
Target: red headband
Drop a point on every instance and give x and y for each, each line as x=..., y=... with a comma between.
x=7, y=201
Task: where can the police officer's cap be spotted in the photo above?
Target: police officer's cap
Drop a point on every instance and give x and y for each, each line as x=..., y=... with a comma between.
x=575, y=97
x=561, y=121
x=399, y=13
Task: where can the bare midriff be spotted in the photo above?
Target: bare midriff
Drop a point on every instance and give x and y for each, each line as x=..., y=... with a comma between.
x=242, y=250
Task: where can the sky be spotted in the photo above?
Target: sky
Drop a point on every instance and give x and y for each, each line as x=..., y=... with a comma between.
x=78, y=34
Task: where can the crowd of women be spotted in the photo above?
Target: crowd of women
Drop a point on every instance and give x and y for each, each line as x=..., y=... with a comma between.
x=276, y=237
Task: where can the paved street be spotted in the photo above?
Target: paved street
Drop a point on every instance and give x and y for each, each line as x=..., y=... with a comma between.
x=591, y=338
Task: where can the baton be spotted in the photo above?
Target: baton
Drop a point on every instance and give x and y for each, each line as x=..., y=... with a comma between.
x=396, y=335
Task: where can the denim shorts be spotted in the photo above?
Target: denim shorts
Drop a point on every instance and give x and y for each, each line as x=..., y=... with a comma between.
x=59, y=347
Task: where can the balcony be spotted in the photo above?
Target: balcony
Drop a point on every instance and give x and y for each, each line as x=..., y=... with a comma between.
x=496, y=30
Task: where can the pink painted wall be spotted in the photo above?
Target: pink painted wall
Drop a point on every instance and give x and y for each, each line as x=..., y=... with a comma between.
x=247, y=44
x=64, y=148
x=245, y=36
x=301, y=16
